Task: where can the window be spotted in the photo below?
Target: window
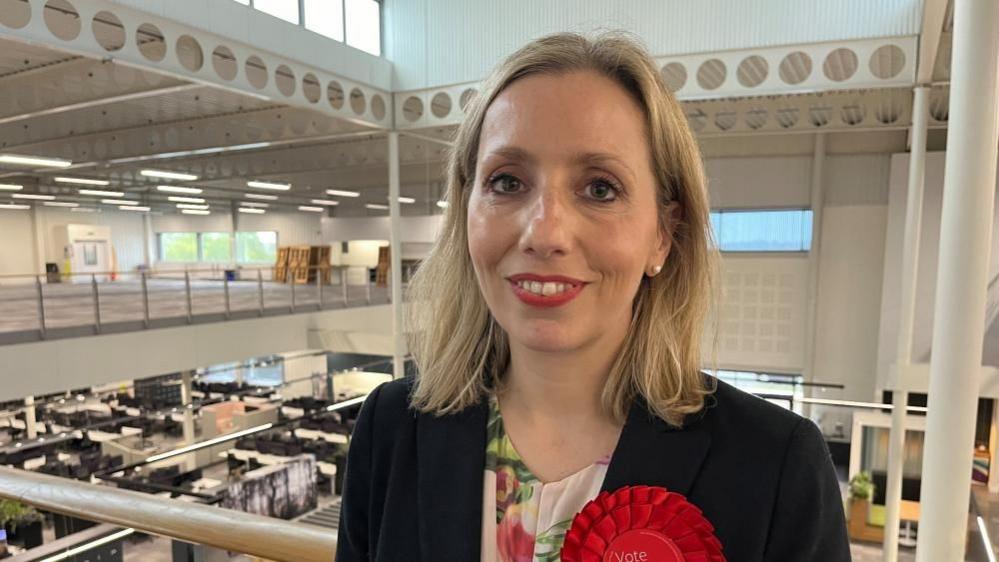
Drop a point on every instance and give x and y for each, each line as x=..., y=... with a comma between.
x=784, y=390
x=179, y=246
x=325, y=17
x=364, y=25
x=284, y=9
x=763, y=231
x=256, y=247
x=215, y=247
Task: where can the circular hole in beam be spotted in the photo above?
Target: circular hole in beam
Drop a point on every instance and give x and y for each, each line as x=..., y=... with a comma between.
x=378, y=107
x=15, y=14
x=62, y=19
x=224, y=62
x=311, y=88
x=284, y=79
x=674, y=75
x=256, y=72
x=150, y=41
x=189, y=53
x=108, y=31
x=335, y=95
x=357, y=101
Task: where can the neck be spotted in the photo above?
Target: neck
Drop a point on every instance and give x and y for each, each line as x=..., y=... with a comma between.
x=561, y=386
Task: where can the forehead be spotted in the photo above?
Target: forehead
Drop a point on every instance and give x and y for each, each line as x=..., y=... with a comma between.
x=560, y=115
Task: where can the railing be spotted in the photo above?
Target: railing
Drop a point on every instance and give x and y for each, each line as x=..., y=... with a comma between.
x=265, y=537
x=36, y=307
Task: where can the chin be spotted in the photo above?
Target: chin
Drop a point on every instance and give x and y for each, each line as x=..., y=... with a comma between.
x=545, y=336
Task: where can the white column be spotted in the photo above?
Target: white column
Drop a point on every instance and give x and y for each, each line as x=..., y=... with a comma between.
x=395, y=248
x=814, y=255
x=233, y=229
x=907, y=311
x=188, y=426
x=30, y=423
x=965, y=241
x=148, y=240
x=38, y=240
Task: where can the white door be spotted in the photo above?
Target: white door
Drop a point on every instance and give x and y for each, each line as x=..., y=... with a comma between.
x=91, y=256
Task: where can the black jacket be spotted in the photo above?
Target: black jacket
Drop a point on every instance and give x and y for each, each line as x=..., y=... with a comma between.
x=761, y=475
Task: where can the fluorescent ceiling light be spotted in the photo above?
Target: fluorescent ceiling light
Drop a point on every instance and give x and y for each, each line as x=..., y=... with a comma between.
x=252, y=204
x=10, y=187
x=269, y=185
x=177, y=199
x=89, y=546
x=196, y=212
x=178, y=189
x=60, y=204
x=407, y=200
x=132, y=208
x=12, y=206
x=261, y=196
x=326, y=202
x=34, y=161
x=101, y=193
x=189, y=206
x=81, y=181
x=252, y=211
x=341, y=193
x=84, y=210
x=33, y=196
x=119, y=202
x=442, y=204
x=168, y=175
x=310, y=209
x=376, y=206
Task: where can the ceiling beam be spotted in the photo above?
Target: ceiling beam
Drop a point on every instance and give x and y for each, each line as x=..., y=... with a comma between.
x=934, y=12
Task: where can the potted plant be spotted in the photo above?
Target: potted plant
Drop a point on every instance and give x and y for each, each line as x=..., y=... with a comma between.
x=23, y=523
x=861, y=493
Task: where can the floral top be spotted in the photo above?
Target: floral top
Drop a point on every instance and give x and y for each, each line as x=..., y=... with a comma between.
x=524, y=519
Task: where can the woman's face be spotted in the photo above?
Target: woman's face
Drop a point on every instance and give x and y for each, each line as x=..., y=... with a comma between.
x=563, y=219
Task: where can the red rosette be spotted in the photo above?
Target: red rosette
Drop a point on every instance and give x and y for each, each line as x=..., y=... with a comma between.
x=641, y=524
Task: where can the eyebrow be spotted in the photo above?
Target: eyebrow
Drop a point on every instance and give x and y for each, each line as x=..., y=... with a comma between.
x=519, y=154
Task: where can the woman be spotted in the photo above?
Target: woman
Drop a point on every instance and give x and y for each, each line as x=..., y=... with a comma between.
x=557, y=333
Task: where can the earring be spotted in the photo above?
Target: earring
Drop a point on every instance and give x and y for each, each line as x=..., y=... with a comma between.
x=656, y=270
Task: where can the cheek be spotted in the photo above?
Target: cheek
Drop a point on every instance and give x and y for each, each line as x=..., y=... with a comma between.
x=484, y=235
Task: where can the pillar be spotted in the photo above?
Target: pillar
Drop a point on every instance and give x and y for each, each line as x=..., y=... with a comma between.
x=30, y=422
x=395, y=245
x=188, y=424
x=907, y=311
x=962, y=275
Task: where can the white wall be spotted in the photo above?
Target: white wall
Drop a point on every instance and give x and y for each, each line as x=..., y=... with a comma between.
x=439, y=42
x=929, y=247
x=17, y=250
x=754, y=183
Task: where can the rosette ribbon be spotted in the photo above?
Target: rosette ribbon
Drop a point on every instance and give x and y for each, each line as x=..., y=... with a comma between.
x=641, y=524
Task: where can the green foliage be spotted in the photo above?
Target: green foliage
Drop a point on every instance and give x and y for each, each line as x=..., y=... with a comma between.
x=215, y=247
x=258, y=247
x=861, y=486
x=14, y=513
x=179, y=246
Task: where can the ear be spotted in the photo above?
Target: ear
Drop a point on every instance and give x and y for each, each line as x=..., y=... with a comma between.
x=672, y=215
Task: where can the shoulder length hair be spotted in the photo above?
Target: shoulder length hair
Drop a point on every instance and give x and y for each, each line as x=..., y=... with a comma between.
x=461, y=351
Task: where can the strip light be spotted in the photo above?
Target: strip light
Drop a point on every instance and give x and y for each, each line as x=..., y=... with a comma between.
x=195, y=212
x=89, y=546
x=261, y=196
x=269, y=185
x=407, y=200
x=168, y=175
x=13, y=206
x=252, y=204
x=190, y=206
x=442, y=204
x=310, y=209
x=10, y=187
x=177, y=199
x=81, y=181
x=208, y=443
x=60, y=204
x=131, y=208
x=119, y=202
x=101, y=193
x=326, y=202
x=252, y=211
x=34, y=161
x=376, y=206
x=33, y=196
x=341, y=193
x=179, y=189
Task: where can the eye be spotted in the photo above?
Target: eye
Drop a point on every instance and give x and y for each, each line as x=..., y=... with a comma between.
x=504, y=183
x=602, y=190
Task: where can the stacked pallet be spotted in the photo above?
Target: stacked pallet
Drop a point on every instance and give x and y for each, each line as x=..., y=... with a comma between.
x=281, y=266
x=319, y=264
x=383, y=267
x=298, y=264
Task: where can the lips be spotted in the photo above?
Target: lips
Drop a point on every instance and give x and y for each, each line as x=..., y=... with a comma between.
x=545, y=291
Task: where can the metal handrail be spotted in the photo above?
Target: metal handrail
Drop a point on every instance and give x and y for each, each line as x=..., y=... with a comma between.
x=177, y=271
x=256, y=535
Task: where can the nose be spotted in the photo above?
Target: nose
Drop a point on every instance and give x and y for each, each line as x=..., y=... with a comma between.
x=547, y=224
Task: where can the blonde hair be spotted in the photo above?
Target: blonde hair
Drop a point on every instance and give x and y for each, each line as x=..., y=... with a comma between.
x=461, y=351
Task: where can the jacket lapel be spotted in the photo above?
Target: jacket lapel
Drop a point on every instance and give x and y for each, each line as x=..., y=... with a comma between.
x=651, y=452
x=451, y=461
